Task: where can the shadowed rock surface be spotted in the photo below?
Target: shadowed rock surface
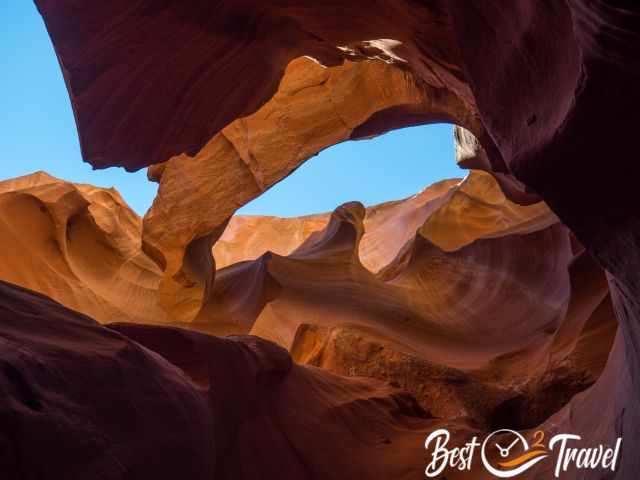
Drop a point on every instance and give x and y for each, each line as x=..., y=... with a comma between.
x=549, y=92
x=490, y=314
x=81, y=400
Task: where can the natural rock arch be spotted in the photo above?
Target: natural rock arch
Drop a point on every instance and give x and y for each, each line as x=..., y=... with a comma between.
x=536, y=73
x=314, y=108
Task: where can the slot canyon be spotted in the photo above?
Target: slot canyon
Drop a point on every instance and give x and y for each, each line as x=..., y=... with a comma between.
x=195, y=342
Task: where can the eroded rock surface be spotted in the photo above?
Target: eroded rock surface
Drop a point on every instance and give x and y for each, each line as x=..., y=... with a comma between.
x=549, y=89
x=81, y=400
x=489, y=313
x=80, y=245
x=313, y=108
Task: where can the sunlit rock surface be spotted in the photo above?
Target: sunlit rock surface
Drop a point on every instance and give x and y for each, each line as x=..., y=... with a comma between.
x=313, y=108
x=80, y=245
x=486, y=312
x=548, y=89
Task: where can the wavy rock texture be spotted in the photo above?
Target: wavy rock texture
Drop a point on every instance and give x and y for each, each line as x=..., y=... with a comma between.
x=547, y=88
x=553, y=139
x=195, y=405
x=226, y=42
x=500, y=323
x=387, y=226
x=248, y=237
x=490, y=313
x=313, y=108
x=480, y=335
x=80, y=245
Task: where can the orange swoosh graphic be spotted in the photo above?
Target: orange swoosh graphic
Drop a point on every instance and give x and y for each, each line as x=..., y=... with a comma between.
x=522, y=458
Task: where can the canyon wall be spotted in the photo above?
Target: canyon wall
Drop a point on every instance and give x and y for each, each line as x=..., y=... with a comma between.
x=483, y=305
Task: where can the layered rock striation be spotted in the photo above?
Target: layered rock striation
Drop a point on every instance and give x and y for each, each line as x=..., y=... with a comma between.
x=228, y=98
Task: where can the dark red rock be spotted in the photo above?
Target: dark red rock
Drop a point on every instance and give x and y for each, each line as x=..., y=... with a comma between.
x=555, y=84
x=80, y=400
x=125, y=62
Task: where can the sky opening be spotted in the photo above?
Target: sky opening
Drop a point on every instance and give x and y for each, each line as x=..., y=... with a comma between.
x=38, y=132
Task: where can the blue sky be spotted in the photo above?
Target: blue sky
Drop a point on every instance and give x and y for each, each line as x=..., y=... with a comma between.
x=38, y=132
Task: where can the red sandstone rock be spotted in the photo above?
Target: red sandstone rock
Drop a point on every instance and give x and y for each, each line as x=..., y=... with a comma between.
x=80, y=245
x=552, y=84
x=447, y=319
x=82, y=400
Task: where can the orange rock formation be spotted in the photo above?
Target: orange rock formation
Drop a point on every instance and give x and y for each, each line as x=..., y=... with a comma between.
x=80, y=245
x=492, y=308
